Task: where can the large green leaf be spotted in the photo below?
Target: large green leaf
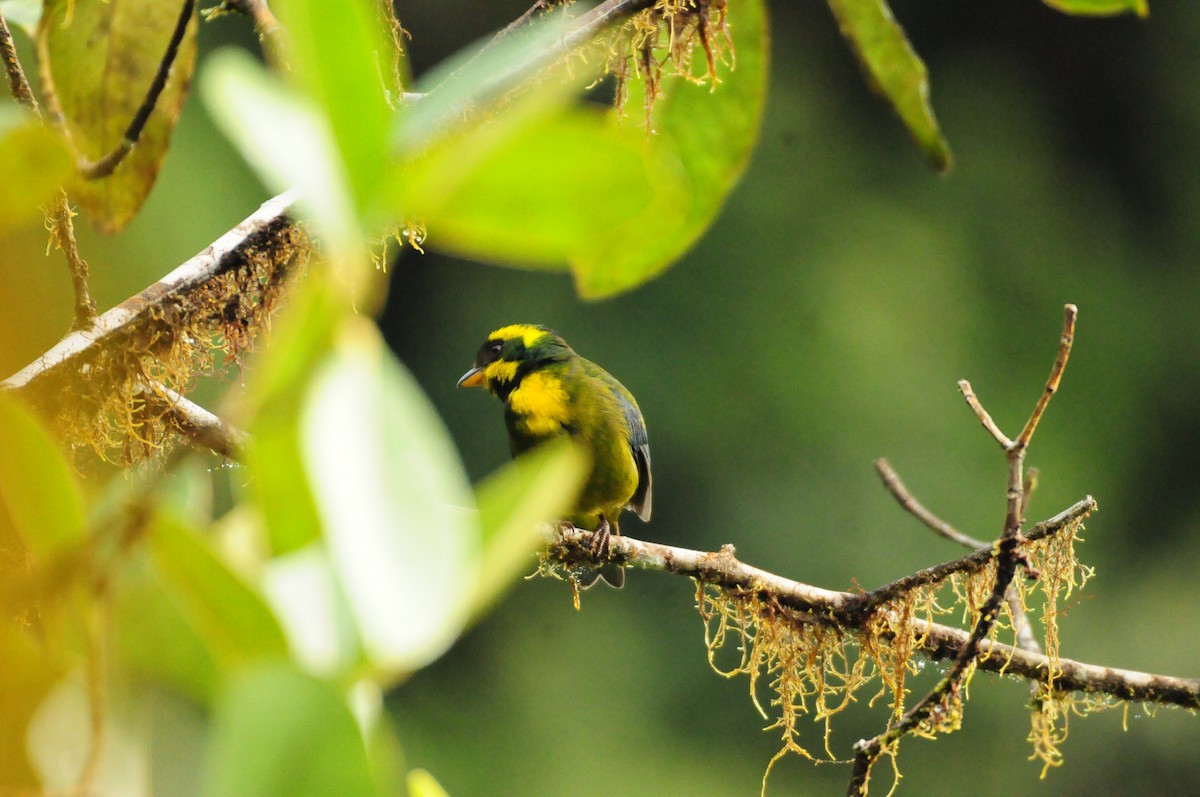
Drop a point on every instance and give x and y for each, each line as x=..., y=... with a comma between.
x=279, y=733
x=706, y=133
x=894, y=70
x=1100, y=7
x=300, y=338
x=538, y=186
x=101, y=59
x=33, y=166
x=336, y=50
x=393, y=500
x=533, y=489
x=38, y=490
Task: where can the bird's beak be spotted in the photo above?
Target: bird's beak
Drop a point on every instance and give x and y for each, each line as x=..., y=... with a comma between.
x=472, y=378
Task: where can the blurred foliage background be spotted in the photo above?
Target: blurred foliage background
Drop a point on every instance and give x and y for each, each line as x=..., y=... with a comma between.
x=820, y=324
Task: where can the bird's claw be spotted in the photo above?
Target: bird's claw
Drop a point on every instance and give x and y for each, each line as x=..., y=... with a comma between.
x=602, y=539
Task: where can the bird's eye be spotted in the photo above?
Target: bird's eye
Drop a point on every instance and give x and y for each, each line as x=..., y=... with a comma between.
x=494, y=347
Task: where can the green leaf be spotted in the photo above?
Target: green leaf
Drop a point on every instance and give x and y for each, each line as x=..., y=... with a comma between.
x=708, y=134
x=25, y=14
x=300, y=338
x=229, y=616
x=336, y=54
x=34, y=166
x=38, y=490
x=534, y=187
x=535, y=488
x=155, y=639
x=279, y=733
x=100, y=59
x=422, y=784
x=393, y=500
x=27, y=674
x=1100, y=7
x=894, y=70
x=286, y=140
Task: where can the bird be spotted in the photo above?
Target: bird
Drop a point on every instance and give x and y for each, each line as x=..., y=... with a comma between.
x=550, y=392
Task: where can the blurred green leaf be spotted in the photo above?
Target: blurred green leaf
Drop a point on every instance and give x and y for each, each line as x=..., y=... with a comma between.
x=285, y=139
x=393, y=500
x=707, y=135
x=423, y=784
x=34, y=166
x=303, y=589
x=532, y=188
x=300, y=338
x=100, y=59
x=535, y=488
x=230, y=618
x=26, y=676
x=894, y=70
x=336, y=53
x=155, y=639
x=23, y=13
x=38, y=491
x=1100, y=7
x=279, y=733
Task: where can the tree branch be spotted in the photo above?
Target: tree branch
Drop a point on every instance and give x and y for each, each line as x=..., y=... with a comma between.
x=724, y=570
x=227, y=252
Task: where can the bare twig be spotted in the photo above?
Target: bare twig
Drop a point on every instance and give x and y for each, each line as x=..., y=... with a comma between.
x=59, y=214
x=1008, y=558
x=969, y=394
x=891, y=480
x=12, y=66
x=1070, y=311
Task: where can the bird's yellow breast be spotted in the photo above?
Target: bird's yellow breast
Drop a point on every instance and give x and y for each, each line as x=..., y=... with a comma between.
x=542, y=403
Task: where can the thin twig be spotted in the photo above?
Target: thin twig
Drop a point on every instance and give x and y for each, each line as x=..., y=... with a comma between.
x=12, y=66
x=964, y=387
x=891, y=480
x=59, y=214
x=1070, y=312
x=95, y=170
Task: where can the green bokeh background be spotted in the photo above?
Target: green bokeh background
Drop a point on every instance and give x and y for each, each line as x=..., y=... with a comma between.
x=822, y=323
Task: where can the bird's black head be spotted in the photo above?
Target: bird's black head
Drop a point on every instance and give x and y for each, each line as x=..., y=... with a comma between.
x=510, y=353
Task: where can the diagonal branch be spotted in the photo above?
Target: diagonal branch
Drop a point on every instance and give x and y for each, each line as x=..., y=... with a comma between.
x=224, y=253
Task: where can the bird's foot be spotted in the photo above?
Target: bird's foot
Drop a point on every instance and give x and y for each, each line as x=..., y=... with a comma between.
x=602, y=539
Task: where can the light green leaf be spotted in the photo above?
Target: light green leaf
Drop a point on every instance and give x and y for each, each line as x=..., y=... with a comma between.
x=228, y=615
x=25, y=14
x=708, y=134
x=34, y=165
x=100, y=59
x=286, y=140
x=894, y=70
x=27, y=674
x=38, y=491
x=393, y=500
x=156, y=641
x=533, y=489
x=279, y=733
x=336, y=54
x=423, y=784
x=302, y=588
x=300, y=338
x=1100, y=7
